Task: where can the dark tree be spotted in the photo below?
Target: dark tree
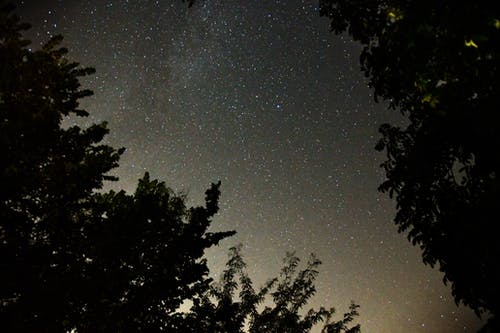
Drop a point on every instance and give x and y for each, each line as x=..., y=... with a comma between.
x=47, y=174
x=233, y=303
x=143, y=258
x=72, y=258
x=437, y=62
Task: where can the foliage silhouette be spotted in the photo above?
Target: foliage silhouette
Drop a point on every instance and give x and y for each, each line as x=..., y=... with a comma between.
x=437, y=62
x=72, y=258
x=222, y=310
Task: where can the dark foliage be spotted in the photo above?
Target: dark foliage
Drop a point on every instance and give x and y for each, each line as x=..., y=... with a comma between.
x=233, y=306
x=143, y=258
x=72, y=258
x=437, y=61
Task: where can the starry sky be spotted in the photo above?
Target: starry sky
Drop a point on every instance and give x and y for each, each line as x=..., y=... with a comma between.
x=260, y=95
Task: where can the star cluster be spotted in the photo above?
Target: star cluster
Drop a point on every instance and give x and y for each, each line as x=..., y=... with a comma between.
x=259, y=95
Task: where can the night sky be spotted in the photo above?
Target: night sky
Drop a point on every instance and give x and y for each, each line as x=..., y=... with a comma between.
x=259, y=95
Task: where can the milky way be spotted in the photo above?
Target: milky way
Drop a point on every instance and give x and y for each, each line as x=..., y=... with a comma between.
x=259, y=95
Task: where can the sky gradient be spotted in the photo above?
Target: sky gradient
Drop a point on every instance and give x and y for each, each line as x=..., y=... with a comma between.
x=259, y=95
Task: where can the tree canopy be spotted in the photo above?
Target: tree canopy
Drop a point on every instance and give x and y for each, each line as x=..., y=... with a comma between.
x=232, y=305
x=76, y=258
x=73, y=257
x=437, y=62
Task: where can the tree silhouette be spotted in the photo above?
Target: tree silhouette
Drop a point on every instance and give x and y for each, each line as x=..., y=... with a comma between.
x=143, y=258
x=437, y=62
x=233, y=306
x=72, y=258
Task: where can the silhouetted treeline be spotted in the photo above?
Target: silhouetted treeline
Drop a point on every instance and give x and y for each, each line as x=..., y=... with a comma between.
x=437, y=63
x=75, y=259
x=278, y=306
x=72, y=258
